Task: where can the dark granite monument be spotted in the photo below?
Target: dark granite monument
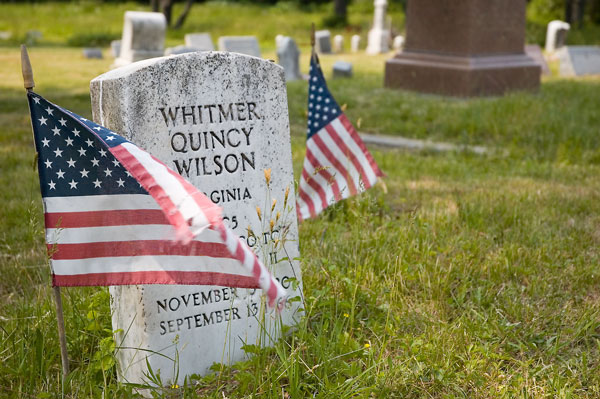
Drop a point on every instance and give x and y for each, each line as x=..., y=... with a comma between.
x=464, y=48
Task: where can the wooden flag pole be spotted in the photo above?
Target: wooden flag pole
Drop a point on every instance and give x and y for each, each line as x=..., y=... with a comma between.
x=312, y=38
x=29, y=84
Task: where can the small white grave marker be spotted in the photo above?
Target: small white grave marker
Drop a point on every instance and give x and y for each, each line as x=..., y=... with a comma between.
x=143, y=37
x=199, y=41
x=579, y=60
x=240, y=44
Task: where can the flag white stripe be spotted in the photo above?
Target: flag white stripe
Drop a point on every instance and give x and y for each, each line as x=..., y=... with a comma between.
x=303, y=207
x=124, y=264
x=321, y=182
x=342, y=158
x=176, y=192
x=80, y=235
x=91, y=203
x=355, y=149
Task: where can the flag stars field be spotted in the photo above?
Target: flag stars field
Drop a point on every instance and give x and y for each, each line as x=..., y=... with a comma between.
x=68, y=159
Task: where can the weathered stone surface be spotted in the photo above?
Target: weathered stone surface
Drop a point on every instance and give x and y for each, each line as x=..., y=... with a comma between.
x=115, y=48
x=556, y=35
x=199, y=41
x=143, y=37
x=355, y=43
x=579, y=60
x=338, y=44
x=379, y=36
x=535, y=52
x=92, y=52
x=323, y=42
x=288, y=56
x=240, y=44
x=219, y=119
x=342, y=69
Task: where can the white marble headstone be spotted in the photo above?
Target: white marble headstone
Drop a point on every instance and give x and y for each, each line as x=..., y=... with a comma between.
x=288, y=56
x=338, y=44
x=355, y=43
x=398, y=43
x=199, y=41
x=323, y=42
x=143, y=37
x=556, y=35
x=218, y=119
x=579, y=60
x=379, y=35
x=240, y=44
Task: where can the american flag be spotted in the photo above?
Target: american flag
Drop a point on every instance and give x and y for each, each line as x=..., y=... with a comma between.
x=337, y=163
x=115, y=215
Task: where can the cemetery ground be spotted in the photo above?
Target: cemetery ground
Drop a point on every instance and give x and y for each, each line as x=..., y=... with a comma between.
x=462, y=276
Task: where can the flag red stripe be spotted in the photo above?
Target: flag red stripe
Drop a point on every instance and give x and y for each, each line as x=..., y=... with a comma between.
x=209, y=208
x=348, y=153
x=308, y=201
x=155, y=277
x=325, y=173
x=317, y=188
x=335, y=162
x=105, y=218
x=344, y=120
x=136, y=248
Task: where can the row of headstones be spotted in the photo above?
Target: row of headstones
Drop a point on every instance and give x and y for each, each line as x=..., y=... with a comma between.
x=574, y=60
x=144, y=36
x=323, y=43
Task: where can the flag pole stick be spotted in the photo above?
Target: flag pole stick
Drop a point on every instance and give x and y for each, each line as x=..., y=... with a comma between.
x=312, y=39
x=29, y=84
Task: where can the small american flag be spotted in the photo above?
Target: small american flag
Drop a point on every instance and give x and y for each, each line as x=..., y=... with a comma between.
x=115, y=215
x=337, y=163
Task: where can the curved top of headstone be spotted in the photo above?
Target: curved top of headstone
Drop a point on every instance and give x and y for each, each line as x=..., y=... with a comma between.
x=169, y=62
x=172, y=78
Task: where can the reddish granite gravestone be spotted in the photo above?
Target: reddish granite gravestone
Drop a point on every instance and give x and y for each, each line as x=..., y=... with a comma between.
x=464, y=48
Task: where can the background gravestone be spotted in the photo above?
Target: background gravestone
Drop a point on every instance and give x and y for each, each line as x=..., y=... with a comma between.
x=579, y=60
x=556, y=35
x=338, y=44
x=323, y=42
x=379, y=36
x=535, y=52
x=355, y=43
x=240, y=44
x=218, y=119
x=115, y=48
x=181, y=49
x=143, y=37
x=199, y=41
x=288, y=56
x=464, y=48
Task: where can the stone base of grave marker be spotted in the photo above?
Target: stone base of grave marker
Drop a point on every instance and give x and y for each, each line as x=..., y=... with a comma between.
x=466, y=48
x=218, y=119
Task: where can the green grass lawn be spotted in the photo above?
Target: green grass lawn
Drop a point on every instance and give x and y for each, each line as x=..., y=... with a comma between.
x=462, y=276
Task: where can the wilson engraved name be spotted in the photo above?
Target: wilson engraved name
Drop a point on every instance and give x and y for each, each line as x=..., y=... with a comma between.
x=199, y=143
